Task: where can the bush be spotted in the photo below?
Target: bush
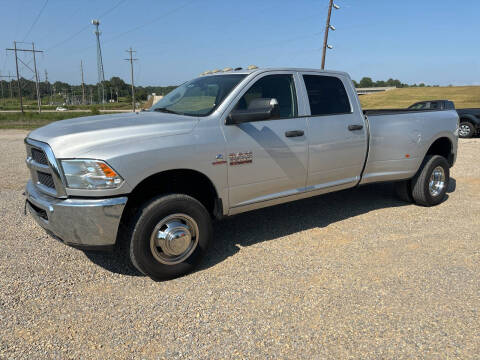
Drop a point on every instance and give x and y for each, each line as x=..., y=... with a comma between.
x=95, y=110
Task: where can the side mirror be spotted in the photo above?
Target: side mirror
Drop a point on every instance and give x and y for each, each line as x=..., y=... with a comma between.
x=258, y=109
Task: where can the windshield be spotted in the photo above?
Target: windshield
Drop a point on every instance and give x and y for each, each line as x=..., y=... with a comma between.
x=198, y=97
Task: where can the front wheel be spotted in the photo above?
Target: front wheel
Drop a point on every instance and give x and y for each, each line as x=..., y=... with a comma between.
x=169, y=236
x=466, y=130
x=429, y=186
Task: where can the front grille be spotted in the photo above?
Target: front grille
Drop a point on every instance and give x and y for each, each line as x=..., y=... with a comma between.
x=40, y=212
x=43, y=168
x=39, y=156
x=45, y=179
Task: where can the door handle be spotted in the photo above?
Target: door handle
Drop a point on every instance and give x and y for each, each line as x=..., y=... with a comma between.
x=354, y=127
x=294, y=133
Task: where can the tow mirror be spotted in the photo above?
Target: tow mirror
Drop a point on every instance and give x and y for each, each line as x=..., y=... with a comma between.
x=258, y=109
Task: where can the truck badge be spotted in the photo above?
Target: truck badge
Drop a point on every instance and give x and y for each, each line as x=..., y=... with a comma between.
x=240, y=158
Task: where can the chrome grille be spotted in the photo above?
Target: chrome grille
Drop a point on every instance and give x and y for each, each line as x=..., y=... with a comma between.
x=45, y=179
x=44, y=169
x=39, y=156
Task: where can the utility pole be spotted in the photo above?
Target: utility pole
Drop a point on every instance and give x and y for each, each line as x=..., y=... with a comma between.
x=17, y=59
x=131, y=59
x=83, y=84
x=48, y=87
x=327, y=28
x=39, y=101
x=18, y=75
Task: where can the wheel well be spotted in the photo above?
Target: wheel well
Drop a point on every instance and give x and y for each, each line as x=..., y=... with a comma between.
x=442, y=147
x=466, y=119
x=182, y=181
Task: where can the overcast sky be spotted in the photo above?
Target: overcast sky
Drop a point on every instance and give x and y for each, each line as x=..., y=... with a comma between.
x=430, y=41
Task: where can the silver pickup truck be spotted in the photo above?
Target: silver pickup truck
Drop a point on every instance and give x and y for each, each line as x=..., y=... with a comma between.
x=219, y=145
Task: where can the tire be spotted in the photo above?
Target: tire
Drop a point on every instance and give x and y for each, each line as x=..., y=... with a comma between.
x=424, y=194
x=175, y=216
x=466, y=130
x=403, y=190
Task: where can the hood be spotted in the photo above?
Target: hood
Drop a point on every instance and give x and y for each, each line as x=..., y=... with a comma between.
x=77, y=136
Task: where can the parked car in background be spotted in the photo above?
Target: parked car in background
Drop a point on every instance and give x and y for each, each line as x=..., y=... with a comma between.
x=220, y=145
x=469, y=118
x=60, y=108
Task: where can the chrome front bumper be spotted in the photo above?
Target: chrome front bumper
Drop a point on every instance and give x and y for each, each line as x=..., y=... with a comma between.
x=83, y=223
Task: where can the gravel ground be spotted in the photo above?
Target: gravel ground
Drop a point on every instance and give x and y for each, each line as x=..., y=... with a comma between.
x=356, y=274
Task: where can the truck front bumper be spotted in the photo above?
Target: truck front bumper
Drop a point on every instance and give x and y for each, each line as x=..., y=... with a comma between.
x=78, y=222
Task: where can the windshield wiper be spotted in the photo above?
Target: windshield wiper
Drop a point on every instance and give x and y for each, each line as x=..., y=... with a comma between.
x=165, y=110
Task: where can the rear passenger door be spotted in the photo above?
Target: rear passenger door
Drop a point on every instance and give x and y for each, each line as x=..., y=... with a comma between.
x=337, y=141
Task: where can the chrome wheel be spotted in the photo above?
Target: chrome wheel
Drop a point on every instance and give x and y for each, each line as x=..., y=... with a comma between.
x=464, y=130
x=437, y=181
x=174, y=239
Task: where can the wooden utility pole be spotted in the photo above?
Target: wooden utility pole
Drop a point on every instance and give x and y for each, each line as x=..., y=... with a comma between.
x=83, y=83
x=18, y=75
x=15, y=50
x=39, y=101
x=327, y=28
x=131, y=59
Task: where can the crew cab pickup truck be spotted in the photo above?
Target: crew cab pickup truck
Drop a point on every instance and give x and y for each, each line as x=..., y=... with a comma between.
x=219, y=145
x=469, y=118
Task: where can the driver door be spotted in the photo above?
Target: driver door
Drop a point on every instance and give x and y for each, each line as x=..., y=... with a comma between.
x=267, y=159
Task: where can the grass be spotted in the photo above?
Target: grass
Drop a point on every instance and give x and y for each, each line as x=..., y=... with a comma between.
x=32, y=120
x=462, y=96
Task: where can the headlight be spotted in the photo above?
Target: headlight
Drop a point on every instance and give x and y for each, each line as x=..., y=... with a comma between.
x=90, y=174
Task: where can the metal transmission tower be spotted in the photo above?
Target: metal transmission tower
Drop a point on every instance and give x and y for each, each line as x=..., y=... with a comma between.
x=131, y=59
x=327, y=28
x=101, y=75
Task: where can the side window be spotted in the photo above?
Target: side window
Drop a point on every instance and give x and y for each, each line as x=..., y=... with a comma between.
x=434, y=105
x=326, y=95
x=419, y=106
x=280, y=87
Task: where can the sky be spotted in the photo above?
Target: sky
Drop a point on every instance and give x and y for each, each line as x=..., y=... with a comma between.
x=430, y=41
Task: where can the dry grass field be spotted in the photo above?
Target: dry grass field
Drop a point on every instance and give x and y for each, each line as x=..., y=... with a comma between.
x=462, y=96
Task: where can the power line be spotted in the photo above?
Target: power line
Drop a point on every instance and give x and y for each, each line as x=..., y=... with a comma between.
x=150, y=22
x=105, y=13
x=36, y=19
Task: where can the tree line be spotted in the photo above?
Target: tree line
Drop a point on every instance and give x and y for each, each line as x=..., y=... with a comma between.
x=367, y=82
x=115, y=88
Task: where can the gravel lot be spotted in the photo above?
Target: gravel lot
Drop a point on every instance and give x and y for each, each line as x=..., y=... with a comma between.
x=357, y=274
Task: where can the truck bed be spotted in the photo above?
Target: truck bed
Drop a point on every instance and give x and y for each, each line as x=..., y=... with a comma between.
x=399, y=139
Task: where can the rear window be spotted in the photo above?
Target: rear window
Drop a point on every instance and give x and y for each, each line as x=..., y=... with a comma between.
x=326, y=95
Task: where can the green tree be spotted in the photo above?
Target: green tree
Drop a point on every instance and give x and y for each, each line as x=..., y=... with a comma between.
x=366, y=82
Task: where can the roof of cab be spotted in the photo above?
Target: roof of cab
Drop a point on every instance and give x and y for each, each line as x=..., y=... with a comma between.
x=260, y=70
